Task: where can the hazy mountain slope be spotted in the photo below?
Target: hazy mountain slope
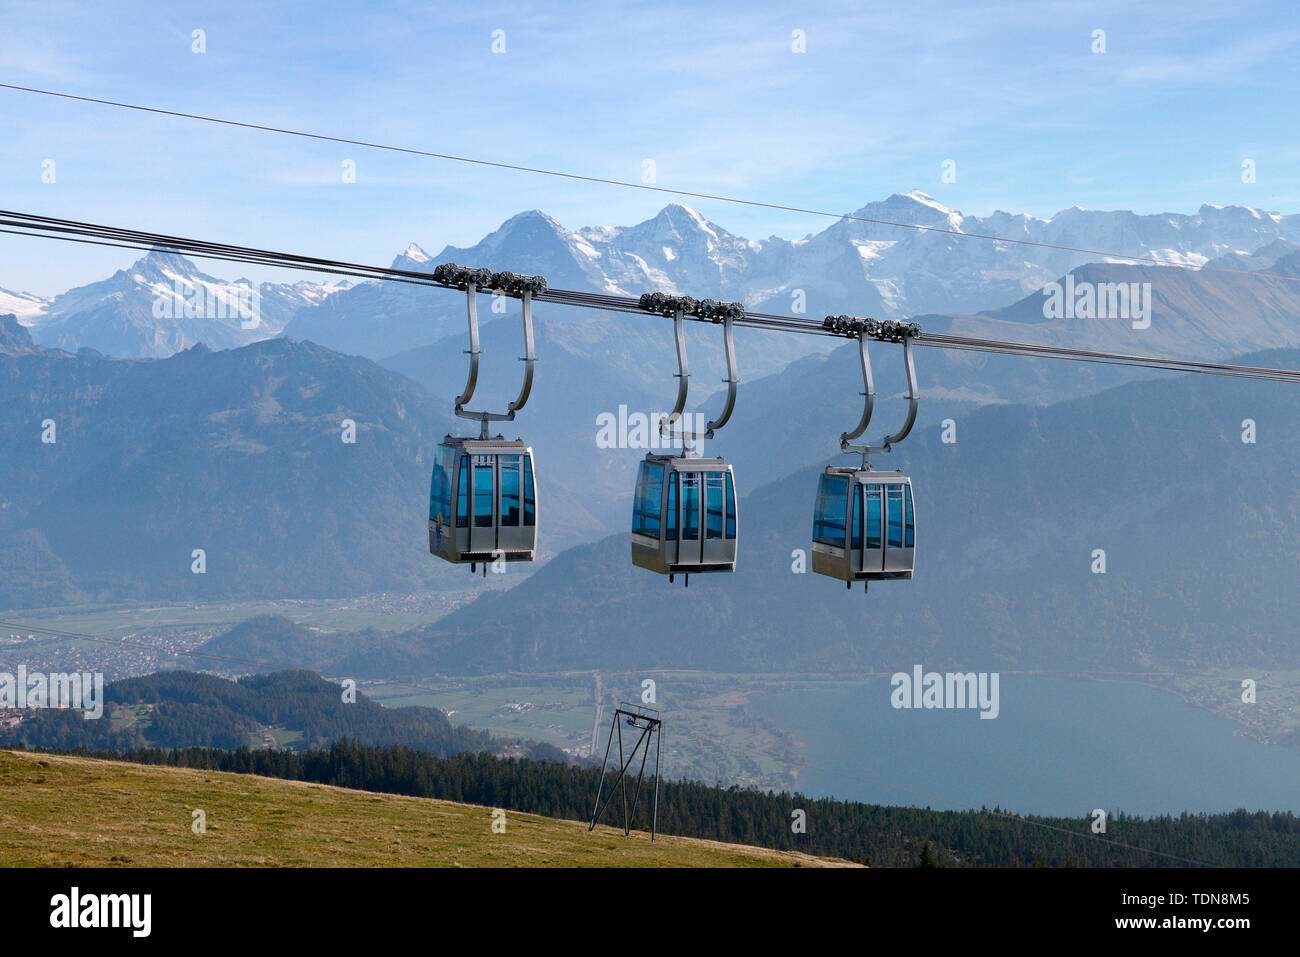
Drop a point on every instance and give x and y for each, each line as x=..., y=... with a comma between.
x=238, y=453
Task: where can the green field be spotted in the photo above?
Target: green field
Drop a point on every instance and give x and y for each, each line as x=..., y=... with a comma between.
x=709, y=733
x=61, y=811
x=280, y=737
x=562, y=713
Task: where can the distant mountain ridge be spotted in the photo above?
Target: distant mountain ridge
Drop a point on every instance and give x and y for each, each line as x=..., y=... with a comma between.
x=164, y=304
x=861, y=265
x=864, y=268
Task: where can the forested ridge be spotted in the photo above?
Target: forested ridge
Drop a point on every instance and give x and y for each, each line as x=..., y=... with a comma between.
x=869, y=834
x=192, y=709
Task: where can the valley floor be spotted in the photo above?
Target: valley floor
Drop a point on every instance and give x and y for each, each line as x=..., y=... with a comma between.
x=718, y=733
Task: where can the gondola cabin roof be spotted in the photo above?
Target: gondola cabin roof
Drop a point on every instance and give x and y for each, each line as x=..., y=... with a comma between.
x=682, y=463
x=487, y=446
x=868, y=475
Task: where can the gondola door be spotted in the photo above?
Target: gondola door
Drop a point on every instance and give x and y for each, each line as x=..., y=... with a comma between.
x=868, y=527
x=714, y=549
x=690, y=547
x=898, y=527
x=513, y=535
x=484, y=506
x=672, y=520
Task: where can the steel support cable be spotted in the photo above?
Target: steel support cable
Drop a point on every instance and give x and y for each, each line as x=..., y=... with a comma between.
x=95, y=234
x=942, y=341
x=48, y=224
x=236, y=259
x=1280, y=376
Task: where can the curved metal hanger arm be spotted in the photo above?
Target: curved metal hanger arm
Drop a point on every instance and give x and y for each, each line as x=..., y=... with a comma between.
x=471, y=280
x=869, y=395
x=679, y=307
x=912, y=398
x=889, y=331
x=471, y=294
x=732, y=380
x=529, y=358
x=683, y=375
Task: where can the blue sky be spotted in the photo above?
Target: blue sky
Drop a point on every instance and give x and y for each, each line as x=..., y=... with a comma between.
x=713, y=93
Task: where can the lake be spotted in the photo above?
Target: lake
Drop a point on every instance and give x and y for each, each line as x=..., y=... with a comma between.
x=1058, y=747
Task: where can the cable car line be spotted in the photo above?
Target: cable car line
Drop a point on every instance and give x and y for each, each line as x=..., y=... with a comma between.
x=486, y=483
x=684, y=515
x=93, y=234
x=139, y=239
x=864, y=521
x=625, y=305
x=648, y=187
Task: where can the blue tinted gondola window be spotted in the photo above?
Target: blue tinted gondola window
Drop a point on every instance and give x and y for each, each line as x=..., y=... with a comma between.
x=638, y=497
x=713, y=506
x=832, y=511
x=649, y=497
x=856, y=518
x=894, y=493
x=690, y=506
x=440, y=489
x=910, y=533
x=872, y=516
x=731, y=508
x=483, y=476
x=530, y=507
x=509, y=490
x=671, y=534
x=462, y=495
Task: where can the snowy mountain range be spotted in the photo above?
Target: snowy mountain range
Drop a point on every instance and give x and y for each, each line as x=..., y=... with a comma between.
x=851, y=266
x=864, y=268
x=161, y=305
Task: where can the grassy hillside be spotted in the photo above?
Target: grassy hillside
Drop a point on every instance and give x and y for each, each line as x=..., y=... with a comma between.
x=63, y=811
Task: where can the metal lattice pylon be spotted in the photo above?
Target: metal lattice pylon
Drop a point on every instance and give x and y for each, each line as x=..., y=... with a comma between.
x=649, y=725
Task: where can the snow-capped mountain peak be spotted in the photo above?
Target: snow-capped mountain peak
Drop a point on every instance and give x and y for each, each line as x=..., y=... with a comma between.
x=29, y=309
x=164, y=303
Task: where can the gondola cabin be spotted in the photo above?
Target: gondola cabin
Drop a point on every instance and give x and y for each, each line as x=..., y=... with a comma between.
x=684, y=515
x=864, y=526
x=482, y=501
